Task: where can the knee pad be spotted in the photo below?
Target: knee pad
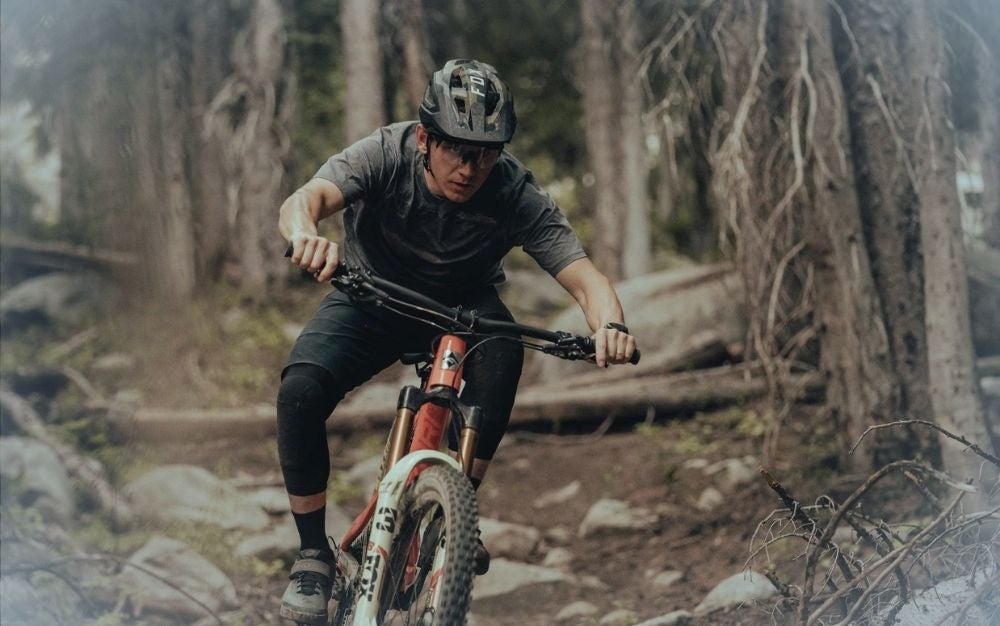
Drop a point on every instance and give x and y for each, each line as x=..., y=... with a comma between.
x=307, y=387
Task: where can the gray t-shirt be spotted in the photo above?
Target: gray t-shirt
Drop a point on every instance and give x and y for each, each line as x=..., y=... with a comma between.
x=401, y=231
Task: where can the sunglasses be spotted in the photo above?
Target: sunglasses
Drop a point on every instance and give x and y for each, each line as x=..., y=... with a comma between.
x=480, y=156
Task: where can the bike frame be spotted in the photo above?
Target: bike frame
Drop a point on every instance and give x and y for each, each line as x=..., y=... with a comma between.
x=403, y=462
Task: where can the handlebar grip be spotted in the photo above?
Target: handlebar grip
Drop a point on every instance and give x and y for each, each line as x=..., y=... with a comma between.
x=588, y=345
x=635, y=357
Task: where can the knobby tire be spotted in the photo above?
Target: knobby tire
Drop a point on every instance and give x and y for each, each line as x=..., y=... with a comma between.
x=438, y=513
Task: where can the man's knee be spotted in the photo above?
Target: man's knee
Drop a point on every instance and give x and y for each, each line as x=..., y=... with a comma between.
x=309, y=388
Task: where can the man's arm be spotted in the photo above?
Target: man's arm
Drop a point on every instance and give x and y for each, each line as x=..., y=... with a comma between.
x=595, y=295
x=298, y=217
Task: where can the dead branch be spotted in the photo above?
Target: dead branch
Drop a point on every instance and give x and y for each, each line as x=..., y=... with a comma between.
x=22, y=414
x=968, y=444
x=904, y=551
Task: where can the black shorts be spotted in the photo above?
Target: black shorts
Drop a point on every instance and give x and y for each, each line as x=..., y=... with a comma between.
x=353, y=341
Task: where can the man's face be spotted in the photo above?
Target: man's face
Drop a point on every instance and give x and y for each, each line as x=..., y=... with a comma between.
x=457, y=170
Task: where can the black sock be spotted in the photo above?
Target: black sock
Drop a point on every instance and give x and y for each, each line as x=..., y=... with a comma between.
x=476, y=482
x=312, y=529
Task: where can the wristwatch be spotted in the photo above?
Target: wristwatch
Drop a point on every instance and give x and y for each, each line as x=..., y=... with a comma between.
x=622, y=328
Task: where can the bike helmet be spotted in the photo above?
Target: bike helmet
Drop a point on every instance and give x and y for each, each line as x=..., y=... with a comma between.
x=467, y=102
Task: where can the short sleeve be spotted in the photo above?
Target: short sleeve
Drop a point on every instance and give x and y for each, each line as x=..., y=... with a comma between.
x=361, y=168
x=544, y=232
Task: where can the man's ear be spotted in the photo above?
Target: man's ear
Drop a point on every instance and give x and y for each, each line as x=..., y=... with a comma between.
x=421, y=139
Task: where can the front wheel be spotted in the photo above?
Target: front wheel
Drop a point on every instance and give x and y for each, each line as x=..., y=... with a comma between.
x=429, y=570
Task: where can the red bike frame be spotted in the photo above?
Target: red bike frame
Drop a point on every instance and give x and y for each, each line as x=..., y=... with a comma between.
x=427, y=426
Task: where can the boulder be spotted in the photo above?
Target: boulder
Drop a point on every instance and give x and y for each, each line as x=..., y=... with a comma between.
x=558, y=496
x=929, y=607
x=512, y=541
x=608, y=514
x=58, y=297
x=185, y=493
x=664, y=310
x=738, y=589
x=273, y=500
x=32, y=471
x=558, y=557
x=41, y=600
x=163, y=559
x=507, y=576
x=662, y=580
x=281, y=542
x=576, y=611
x=710, y=499
x=732, y=473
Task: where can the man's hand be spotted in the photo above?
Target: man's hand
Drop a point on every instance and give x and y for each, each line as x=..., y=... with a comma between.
x=613, y=345
x=317, y=254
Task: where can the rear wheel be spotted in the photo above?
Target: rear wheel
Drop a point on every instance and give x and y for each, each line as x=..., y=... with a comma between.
x=429, y=571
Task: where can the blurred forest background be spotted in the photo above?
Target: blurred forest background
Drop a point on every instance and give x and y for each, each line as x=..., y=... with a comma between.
x=840, y=161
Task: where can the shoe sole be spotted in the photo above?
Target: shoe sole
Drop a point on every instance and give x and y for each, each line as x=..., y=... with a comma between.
x=288, y=612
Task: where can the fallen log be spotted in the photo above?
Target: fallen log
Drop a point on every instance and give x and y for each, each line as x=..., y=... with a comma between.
x=19, y=411
x=61, y=255
x=703, y=350
x=668, y=393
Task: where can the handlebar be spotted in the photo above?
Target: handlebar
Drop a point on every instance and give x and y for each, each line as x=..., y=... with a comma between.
x=366, y=286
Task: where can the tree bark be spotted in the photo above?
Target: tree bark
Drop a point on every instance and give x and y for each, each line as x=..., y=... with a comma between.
x=363, y=93
x=416, y=59
x=637, y=244
x=598, y=82
x=854, y=355
x=954, y=390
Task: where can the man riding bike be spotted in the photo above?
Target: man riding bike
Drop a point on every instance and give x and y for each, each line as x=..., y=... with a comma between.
x=433, y=205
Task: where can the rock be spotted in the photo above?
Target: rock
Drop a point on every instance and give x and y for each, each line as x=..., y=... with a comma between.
x=592, y=582
x=607, y=514
x=575, y=611
x=506, y=576
x=59, y=297
x=558, y=558
x=929, y=607
x=512, y=541
x=558, y=535
x=734, y=473
x=738, y=589
x=337, y=521
x=184, y=493
x=666, y=309
x=667, y=578
x=280, y=543
x=695, y=464
x=113, y=363
x=710, y=499
x=558, y=496
x=32, y=470
x=618, y=617
x=364, y=475
x=174, y=561
x=273, y=500
x=674, y=618
x=41, y=600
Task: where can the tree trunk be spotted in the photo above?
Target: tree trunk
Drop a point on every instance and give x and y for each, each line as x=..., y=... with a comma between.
x=416, y=60
x=637, y=244
x=599, y=116
x=362, y=61
x=954, y=390
x=854, y=353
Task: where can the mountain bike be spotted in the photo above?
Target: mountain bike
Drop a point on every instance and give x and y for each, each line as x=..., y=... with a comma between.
x=408, y=556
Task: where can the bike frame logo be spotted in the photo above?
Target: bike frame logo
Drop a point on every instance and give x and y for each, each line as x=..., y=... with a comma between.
x=450, y=360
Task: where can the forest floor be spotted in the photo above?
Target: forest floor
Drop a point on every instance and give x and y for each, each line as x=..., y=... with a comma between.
x=642, y=464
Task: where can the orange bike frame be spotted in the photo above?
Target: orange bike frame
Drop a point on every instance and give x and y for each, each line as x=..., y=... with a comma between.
x=429, y=424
